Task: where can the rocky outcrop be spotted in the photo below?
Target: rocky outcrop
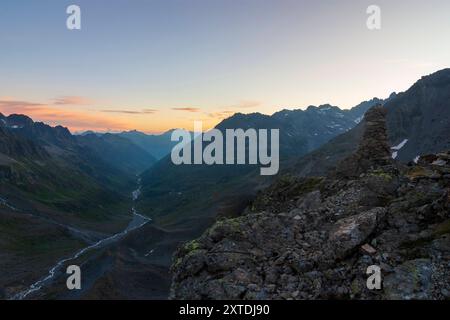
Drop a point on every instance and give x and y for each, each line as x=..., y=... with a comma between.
x=307, y=238
x=351, y=232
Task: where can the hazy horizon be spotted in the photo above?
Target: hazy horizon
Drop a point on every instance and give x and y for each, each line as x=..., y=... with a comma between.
x=152, y=132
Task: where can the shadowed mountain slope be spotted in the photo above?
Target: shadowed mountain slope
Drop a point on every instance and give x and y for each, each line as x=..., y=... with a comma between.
x=314, y=238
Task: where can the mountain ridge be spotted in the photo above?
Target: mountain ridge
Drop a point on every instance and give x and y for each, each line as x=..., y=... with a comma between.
x=315, y=238
x=420, y=116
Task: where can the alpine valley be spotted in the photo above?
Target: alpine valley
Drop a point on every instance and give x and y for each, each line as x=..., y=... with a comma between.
x=356, y=187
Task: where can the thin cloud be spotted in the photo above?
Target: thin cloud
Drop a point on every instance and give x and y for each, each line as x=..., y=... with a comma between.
x=51, y=114
x=228, y=111
x=144, y=111
x=221, y=114
x=18, y=104
x=72, y=100
x=187, y=109
x=83, y=120
x=246, y=104
x=21, y=107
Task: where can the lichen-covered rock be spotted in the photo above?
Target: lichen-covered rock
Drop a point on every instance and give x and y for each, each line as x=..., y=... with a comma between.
x=350, y=232
x=410, y=280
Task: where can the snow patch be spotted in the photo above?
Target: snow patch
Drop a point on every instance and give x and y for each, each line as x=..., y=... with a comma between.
x=416, y=159
x=136, y=194
x=401, y=145
x=397, y=148
x=150, y=252
x=358, y=120
x=334, y=125
x=323, y=111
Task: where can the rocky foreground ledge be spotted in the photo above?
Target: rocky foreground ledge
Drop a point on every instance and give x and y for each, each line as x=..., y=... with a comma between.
x=314, y=238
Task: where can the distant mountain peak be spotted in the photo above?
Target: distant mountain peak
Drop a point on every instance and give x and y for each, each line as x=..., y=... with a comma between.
x=19, y=120
x=86, y=133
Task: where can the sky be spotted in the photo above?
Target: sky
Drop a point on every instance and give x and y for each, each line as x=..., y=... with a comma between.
x=153, y=65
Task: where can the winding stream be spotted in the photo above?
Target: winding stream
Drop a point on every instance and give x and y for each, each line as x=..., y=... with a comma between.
x=137, y=222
